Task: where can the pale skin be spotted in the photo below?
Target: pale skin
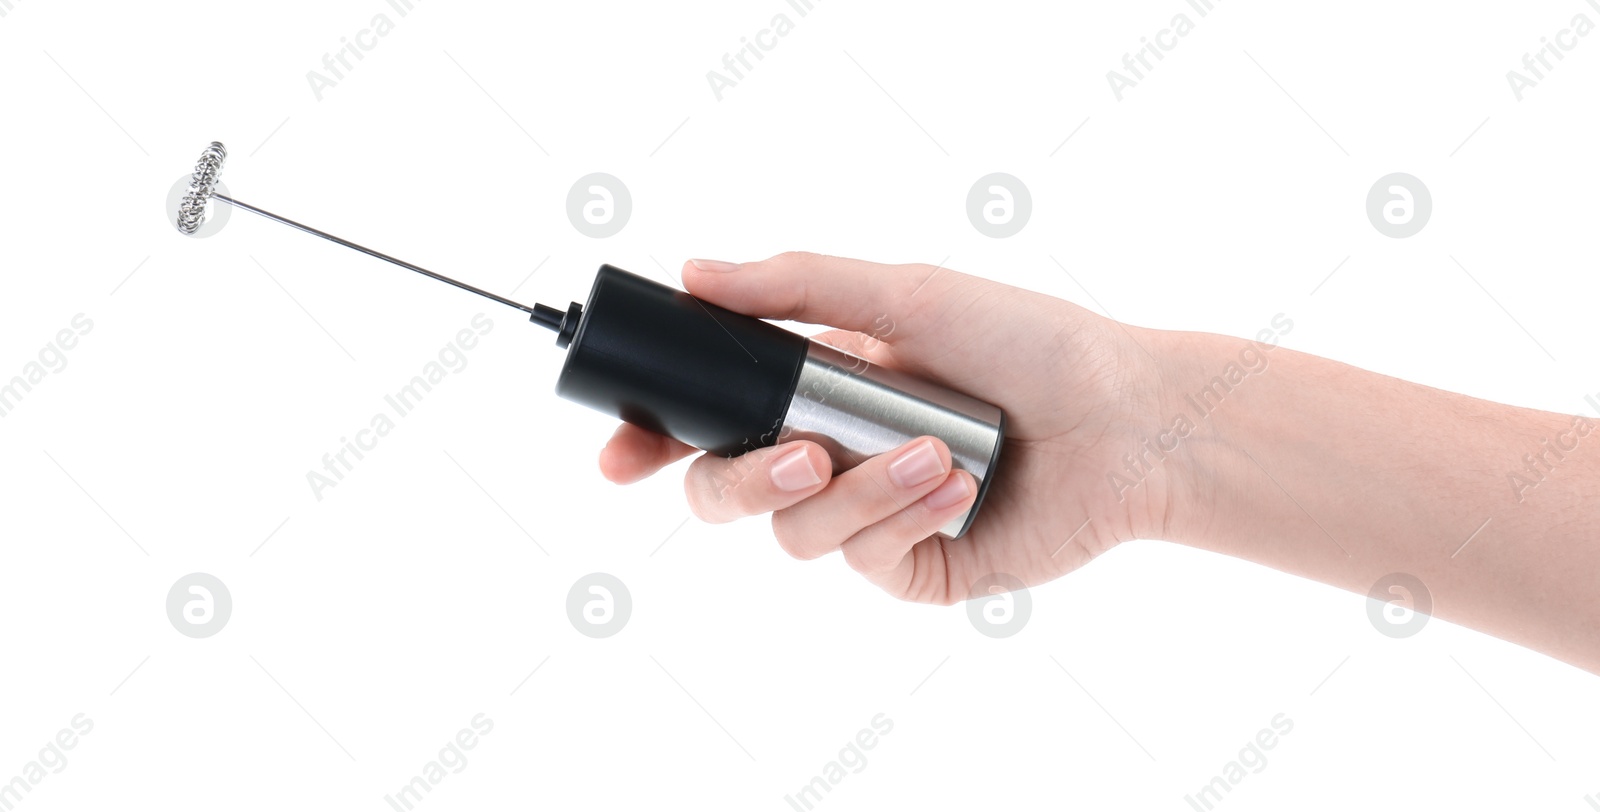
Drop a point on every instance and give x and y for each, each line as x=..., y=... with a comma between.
x=1308, y=466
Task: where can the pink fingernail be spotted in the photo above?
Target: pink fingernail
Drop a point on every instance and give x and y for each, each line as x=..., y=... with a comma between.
x=916, y=466
x=714, y=265
x=953, y=492
x=793, y=471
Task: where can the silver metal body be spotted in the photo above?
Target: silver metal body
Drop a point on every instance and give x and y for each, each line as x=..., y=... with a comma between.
x=856, y=410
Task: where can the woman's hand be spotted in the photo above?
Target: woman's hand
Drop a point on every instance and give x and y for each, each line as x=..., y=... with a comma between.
x=1078, y=390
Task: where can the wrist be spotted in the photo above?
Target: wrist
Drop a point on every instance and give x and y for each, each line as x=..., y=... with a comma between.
x=1148, y=447
x=1178, y=459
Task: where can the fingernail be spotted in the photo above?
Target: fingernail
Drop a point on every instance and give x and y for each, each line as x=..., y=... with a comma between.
x=952, y=492
x=714, y=265
x=916, y=466
x=793, y=471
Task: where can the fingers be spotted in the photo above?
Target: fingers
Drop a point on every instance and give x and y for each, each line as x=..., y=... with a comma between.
x=721, y=489
x=634, y=453
x=875, y=513
x=873, y=491
x=761, y=481
x=882, y=551
x=863, y=296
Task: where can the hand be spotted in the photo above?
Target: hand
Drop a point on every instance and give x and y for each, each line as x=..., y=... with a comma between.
x=1078, y=390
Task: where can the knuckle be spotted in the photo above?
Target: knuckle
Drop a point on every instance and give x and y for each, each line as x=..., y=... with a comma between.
x=852, y=556
x=795, y=538
x=712, y=493
x=795, y=258
x=702, y=501
x=789, y=539
x=867, y=558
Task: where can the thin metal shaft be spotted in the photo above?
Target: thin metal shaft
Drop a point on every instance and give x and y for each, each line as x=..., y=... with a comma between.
x=529, y=309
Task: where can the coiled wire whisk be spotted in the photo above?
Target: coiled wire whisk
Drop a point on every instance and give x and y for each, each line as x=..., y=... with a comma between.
x=193, y=208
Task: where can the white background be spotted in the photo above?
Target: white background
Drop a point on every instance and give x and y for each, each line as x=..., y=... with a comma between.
x=375, y=623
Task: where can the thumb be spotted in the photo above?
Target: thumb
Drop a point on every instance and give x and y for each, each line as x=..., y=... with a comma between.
x=883, y=301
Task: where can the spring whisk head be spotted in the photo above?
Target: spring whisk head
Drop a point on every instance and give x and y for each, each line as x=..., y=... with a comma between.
x=192, y=211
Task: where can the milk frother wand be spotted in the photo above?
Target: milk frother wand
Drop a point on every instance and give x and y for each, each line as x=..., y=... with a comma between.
x=721, y=381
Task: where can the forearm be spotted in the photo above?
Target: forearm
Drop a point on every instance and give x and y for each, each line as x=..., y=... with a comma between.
x=1344, y=476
